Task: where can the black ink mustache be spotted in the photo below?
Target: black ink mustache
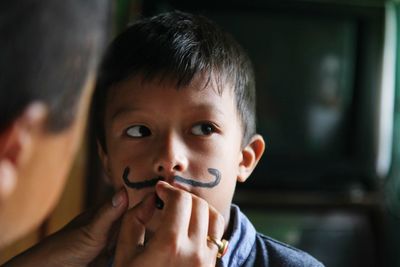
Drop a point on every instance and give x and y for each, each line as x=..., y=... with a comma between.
x=139, y=185
x=152, y=182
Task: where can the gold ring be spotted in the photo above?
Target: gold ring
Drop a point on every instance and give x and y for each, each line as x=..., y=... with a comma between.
x=221, y=244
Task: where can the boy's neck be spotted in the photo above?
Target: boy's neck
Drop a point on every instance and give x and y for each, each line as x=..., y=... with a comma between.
x=229, y=225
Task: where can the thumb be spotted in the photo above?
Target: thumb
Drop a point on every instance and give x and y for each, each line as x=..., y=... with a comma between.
x=99, y=227
x=132, y=230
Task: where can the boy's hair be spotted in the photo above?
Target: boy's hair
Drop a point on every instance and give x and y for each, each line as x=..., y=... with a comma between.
x=178, y=47
x=47, y=50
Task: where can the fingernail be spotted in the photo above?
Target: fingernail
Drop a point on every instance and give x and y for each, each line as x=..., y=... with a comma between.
x=162, y=184
x=117, y=199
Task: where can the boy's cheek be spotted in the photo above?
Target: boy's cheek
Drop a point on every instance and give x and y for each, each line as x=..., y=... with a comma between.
x=136, y=196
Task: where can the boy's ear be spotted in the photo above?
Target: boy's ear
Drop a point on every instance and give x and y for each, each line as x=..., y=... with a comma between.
x=251, y=154
x=16, y=142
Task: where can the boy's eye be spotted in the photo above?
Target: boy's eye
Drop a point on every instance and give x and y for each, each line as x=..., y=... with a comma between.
x=203, y=129
x=138, y=131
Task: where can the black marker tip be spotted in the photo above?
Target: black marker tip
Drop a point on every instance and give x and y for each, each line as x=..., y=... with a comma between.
x=159, y=203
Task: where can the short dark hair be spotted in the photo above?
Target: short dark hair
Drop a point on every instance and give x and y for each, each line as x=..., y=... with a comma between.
x=177, y=46
x=47, y=50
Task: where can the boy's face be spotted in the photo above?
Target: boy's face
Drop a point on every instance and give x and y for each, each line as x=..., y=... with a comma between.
x=190, y=137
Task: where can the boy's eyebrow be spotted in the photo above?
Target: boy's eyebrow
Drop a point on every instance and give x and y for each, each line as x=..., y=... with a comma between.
x=122, y=110
x=207, y=107
x=202, y=106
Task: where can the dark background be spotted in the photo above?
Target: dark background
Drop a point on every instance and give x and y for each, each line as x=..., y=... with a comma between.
x=318, y=68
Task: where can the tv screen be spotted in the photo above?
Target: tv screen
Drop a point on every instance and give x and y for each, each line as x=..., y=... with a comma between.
x=317, y=70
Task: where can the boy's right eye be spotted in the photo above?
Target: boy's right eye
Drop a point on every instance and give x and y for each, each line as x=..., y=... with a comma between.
x=138, y=131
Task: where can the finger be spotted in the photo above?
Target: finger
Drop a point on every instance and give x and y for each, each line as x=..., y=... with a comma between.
x=216, y=227
x=88, y=235
x=132, y=229
x=98, y=229
x=176, y=212
x=199, y=220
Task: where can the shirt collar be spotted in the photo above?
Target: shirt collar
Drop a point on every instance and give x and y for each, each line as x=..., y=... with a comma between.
x=241, y=240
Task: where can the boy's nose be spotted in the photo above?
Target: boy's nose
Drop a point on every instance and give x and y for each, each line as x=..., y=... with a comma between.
x=171, y=157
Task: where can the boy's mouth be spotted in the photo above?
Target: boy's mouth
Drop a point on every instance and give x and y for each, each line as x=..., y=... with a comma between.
x=192, y=182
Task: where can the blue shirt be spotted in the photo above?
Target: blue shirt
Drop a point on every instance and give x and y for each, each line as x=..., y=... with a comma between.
x=249, y=248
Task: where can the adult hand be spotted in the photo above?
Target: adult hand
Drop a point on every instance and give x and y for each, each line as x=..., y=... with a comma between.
x=80, y=242
x=179, y=237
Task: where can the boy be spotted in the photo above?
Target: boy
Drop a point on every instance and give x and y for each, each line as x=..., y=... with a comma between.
x=174, y=109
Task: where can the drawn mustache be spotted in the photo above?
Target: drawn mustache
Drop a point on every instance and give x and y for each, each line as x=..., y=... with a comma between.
x=192, y=182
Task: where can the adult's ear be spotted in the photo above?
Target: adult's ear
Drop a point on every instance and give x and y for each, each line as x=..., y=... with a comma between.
x=16, y=142
x=251, y=154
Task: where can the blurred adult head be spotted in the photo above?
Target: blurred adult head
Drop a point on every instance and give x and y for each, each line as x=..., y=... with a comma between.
x=48, y=58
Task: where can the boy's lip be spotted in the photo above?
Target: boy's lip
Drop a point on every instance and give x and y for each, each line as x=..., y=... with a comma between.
x=174, y=180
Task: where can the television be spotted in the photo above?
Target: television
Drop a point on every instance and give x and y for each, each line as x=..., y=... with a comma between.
x=323, y=105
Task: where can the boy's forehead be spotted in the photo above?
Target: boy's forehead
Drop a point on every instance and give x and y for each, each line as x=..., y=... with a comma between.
x=139, y=94
x=142, y=86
